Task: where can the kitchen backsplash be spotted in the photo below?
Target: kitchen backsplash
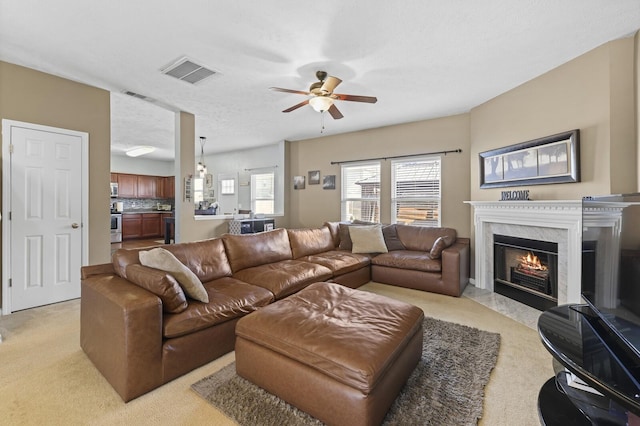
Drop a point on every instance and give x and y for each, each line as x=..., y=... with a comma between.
x=142, y=203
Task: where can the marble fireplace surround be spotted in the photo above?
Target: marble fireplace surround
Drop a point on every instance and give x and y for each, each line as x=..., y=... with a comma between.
x=556, y=221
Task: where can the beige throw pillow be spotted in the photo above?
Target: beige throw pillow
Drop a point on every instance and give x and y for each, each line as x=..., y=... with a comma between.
x=164, y=260
x=367, y=239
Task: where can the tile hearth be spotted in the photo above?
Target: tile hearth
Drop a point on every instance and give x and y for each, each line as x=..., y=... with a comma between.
x=508, y=307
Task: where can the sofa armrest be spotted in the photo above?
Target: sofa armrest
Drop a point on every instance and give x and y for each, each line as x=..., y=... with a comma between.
x=455, y=266
x=121, y=333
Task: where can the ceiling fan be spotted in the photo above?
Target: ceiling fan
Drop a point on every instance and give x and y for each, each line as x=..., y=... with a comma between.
x=322, y=96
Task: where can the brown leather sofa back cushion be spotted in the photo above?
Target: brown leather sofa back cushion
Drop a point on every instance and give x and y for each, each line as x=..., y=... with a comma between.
x=246, y=251
x=421, y=238
x=334, y=228
x=306, y=242
x=207, y=259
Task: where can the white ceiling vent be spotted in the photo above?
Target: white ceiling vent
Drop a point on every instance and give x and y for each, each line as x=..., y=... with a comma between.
x=186, y=70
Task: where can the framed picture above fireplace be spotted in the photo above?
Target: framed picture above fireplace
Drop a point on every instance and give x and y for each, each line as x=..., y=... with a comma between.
x=552, y=159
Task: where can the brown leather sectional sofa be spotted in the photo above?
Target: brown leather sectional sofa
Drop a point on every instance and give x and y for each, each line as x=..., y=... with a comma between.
x=140, y=331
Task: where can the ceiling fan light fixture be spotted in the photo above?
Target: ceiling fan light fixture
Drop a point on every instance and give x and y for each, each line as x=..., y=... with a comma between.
x=139, y=150
x=321, y=103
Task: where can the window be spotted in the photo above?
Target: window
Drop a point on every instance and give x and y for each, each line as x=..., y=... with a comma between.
x=361, y=192
x=227, y=186
x=262, y=193
x=415, y=187
x=198, y=190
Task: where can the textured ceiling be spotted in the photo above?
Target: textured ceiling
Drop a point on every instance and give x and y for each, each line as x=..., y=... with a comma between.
x=421, y=59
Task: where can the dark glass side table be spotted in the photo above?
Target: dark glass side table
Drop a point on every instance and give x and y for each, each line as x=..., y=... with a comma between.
x=577, y=348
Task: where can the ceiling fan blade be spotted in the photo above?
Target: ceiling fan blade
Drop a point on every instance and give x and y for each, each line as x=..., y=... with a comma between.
x=329, y=85
x=296, y=106
x=279, y=89
x=355, y=98
x=335, y=113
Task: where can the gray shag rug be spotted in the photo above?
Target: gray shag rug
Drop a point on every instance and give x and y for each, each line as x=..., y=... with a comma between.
x=446, y=388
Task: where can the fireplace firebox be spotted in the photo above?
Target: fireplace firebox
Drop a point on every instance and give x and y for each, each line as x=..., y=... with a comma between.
x=526, y=270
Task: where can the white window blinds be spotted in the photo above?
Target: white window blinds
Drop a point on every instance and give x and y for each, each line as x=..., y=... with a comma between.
x=415, y=186
x=361, y=192
x=262, y=193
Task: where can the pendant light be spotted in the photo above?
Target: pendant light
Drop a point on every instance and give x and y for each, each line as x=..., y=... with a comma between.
x=202, y=168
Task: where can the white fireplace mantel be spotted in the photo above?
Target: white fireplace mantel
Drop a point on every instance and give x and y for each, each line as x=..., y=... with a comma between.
x=555, y=221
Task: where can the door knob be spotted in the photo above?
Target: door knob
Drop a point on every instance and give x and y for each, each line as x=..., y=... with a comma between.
x=75, y=225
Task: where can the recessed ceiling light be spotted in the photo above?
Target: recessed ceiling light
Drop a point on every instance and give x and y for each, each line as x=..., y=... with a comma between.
x=139, y=150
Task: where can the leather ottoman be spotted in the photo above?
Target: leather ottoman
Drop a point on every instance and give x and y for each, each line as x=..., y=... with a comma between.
x=339, y=354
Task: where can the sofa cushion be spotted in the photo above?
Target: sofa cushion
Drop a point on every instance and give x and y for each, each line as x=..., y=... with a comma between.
x=407, y=259
x=367, y=239
x=305, y=242
x=440, y=244
x=207, y=258
x=421, y=238
x=344, y=236
x=229, y=299
x=285, y=277
x=160, y=283
x=334, y=229
x=160, y=258
x=249, y=250
x=391, y=239
x=339, y=261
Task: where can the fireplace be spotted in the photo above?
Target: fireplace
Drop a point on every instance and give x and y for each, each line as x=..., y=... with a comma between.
x=526, y=270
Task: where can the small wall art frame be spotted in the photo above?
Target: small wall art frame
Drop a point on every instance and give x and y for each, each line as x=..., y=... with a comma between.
x=552, y=159
x=314, y=177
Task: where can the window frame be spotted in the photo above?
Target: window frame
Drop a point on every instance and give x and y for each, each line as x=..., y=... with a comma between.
x=345, y=200
x=254, y=195
x=427, y=198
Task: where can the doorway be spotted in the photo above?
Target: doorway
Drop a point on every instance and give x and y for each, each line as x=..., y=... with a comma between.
x=44, y=214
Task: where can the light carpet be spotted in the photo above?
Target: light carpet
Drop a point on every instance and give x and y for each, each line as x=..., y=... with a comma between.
x=446, y=388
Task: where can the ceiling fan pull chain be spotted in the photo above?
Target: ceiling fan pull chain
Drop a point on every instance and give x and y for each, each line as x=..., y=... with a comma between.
x=321, y=121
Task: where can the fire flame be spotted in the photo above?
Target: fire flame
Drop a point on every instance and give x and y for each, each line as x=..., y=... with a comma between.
x=531, y=262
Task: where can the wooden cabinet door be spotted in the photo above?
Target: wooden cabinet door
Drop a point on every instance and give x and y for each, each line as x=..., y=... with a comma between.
x=127, y=186
x=160, y=187
x=131, y=226
x=170, y=187
x=151, y=225
x=146, y=186
x=114, y=178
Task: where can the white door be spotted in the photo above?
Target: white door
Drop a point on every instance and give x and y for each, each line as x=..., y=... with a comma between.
x=46, y=212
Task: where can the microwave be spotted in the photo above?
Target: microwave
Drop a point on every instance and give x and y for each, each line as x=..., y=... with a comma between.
x=114, y=190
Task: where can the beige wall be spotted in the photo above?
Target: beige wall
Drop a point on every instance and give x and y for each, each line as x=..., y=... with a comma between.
x=35, y=97
x=312, y=206
x=593, y=93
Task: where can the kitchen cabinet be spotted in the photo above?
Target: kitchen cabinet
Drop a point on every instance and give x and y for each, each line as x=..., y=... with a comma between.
x=144, y=186
x=127, y=186
x=151, y=225
x=131, y=226
x=169, y=187
x=147, y=186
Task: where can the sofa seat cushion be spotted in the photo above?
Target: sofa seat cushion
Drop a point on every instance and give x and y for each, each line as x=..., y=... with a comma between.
x=408, y=259
x=285, y=277
x=229, y=298
x=339, y=261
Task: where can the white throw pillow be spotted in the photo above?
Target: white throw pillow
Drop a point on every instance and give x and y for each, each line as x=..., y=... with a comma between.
x=367, y=239
x=164, y=260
